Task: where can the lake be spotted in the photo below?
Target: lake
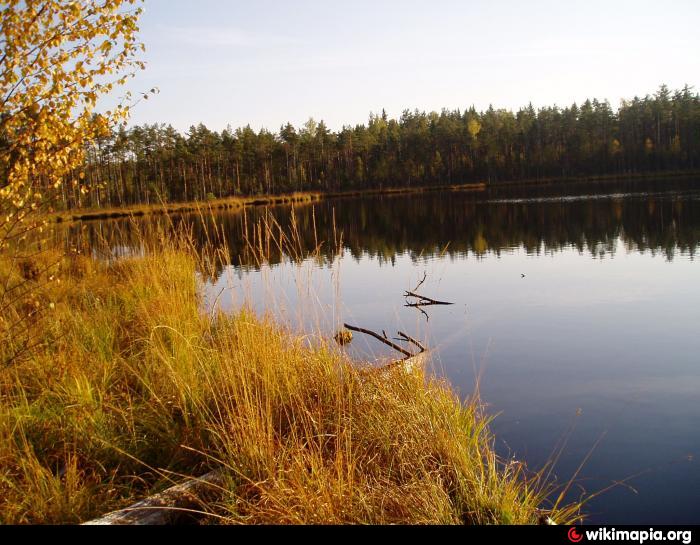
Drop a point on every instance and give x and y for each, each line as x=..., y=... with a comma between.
x=576, y=310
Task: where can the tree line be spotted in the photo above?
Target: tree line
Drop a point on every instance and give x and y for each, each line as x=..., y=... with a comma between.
x=153, y=163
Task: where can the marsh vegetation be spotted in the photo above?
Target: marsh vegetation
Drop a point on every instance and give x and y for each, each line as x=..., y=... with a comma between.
x=126, y=386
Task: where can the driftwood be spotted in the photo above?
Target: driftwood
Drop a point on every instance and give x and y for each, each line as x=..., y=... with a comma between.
x=410, y=361
x=179, y=504
x=425, y=277
x=419, y=307
x=407, y=364
x=381, y=338
x=404, y=337
x=423, y=301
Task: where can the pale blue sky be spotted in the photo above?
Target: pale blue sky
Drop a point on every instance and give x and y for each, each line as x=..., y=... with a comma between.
x=267, y=62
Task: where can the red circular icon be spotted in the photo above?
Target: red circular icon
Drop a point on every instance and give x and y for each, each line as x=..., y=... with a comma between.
x=574, y=536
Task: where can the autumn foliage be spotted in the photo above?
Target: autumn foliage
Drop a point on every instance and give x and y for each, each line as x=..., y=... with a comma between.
x=57, y=58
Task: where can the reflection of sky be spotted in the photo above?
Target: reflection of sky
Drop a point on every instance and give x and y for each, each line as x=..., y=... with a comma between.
x=614, y=336
x=610, y=330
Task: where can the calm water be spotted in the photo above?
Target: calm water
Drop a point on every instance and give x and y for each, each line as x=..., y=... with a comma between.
x=598, y=343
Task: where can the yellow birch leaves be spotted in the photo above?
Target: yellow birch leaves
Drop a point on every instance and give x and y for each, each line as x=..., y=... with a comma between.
x=57, y=58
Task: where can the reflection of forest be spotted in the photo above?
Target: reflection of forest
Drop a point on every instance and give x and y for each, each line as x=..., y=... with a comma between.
x=667, y=222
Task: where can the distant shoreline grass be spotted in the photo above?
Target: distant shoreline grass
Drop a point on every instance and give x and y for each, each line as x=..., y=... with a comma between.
x=129, y=387
x=237, y=203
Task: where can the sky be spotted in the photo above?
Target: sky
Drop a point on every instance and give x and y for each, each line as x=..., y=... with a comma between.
x=264, y=62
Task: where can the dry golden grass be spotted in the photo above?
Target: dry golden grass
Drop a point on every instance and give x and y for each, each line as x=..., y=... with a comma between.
x=130, y=385
x=235, y=203
x=208, y=206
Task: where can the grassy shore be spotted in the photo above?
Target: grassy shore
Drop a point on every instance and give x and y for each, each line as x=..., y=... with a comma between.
x=234, y=203
x=122, y=385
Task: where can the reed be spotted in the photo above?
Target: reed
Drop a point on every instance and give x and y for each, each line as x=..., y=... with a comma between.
x=129, y=386
x=240, y=202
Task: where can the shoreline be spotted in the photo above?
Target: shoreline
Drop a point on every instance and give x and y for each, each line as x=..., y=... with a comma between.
x=235, y=203
x=132, y=394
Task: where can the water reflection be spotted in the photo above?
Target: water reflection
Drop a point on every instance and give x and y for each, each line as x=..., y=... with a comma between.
x=600, y=332
x=662, y=220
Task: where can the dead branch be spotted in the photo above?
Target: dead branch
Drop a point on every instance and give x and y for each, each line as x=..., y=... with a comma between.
x=423, y=300
x=425, y=275
x=418, y=306
x=411, y=340
x=380, y=338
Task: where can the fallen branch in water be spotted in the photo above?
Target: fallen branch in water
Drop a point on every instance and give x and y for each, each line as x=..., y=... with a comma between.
x=377, y=336
x=411, y=340
x=418, y=306
x=410, y=361
x=423, y=300
x=425, y=276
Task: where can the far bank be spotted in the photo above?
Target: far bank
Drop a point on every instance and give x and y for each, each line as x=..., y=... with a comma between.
x=240, y=202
